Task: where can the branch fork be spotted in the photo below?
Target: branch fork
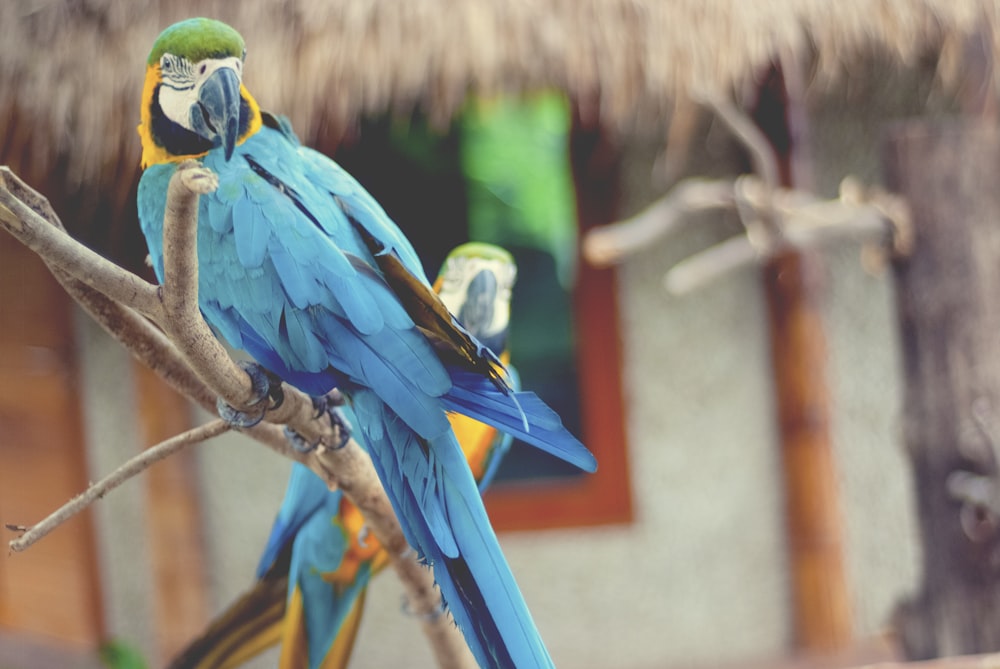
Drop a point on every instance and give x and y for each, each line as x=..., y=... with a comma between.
x=773, y=217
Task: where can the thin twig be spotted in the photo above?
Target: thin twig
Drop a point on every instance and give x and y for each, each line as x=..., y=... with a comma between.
x=764, y=163
x=126, y=471
x=702, y=268
x=670, y=164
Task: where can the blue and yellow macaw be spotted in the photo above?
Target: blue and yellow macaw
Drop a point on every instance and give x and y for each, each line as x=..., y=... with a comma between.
x=303, y=270
x=319, y=556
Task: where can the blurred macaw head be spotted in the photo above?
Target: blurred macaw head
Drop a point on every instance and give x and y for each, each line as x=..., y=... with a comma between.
x=475, y=284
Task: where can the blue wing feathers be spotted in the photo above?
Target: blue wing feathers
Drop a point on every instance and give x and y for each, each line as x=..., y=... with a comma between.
x=251, y=230
x=309, y=351
x=479, y=398
x=300, y=286
x=501, y=442
x=421, y=476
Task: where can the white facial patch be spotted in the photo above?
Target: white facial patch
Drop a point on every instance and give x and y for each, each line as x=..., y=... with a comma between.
x=460, y=273
x=182, y=82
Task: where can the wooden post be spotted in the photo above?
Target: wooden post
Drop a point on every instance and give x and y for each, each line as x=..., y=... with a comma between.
x=949, y=309
x=820, y=600
x=821, y=606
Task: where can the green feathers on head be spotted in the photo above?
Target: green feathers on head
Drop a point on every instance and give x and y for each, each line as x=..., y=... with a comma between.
x=198, y=39
x=481, y=250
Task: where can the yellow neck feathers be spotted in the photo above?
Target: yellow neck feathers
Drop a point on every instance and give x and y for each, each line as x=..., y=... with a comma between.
x=153, y=152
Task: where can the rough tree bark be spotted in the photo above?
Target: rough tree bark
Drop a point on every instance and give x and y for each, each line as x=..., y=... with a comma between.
x=949, y=309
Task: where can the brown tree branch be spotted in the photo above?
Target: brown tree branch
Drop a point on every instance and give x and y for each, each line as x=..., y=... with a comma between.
x=870, y=215
x=608, y=244
x=809, y=222
x=191, y=360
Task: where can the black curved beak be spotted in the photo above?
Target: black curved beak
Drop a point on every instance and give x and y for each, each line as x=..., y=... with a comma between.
x=217, y=113
x=476, y=313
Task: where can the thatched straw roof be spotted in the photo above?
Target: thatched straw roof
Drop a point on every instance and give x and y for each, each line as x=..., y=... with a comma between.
x=70, y=72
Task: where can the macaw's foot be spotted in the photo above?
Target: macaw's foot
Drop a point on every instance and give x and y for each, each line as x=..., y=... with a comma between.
x=328, y=404
x=428, y=616
x=266, y=386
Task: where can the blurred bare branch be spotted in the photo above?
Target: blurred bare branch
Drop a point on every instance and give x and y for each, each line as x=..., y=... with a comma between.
x=612, y=243
x=876, y=218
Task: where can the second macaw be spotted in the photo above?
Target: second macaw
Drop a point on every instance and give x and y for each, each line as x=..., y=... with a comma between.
x=303, y=270
x=320, y=557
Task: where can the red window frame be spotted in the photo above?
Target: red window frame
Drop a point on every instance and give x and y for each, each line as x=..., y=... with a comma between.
x=604, y=497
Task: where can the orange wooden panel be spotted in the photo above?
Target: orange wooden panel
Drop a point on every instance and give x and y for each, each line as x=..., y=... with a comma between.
x=174, y=522
x=51, y=590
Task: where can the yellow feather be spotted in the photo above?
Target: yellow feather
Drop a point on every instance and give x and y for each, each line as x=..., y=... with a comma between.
x=340, y=652
x=294, y=645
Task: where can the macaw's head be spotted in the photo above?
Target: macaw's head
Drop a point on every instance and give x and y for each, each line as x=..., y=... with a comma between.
x=475, y=284
x=194, y=99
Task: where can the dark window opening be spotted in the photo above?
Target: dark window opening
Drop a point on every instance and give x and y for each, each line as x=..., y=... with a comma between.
x=445, y=187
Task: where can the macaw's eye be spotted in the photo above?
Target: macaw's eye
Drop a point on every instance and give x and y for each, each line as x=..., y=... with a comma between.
x=165, y=63
x=201, y=70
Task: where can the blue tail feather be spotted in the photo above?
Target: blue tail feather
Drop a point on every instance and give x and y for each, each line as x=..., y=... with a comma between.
x=475, y=580
x=477, y=397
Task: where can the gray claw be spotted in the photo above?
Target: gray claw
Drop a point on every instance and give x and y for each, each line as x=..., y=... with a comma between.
x=330, y=405
x=265, y=386
x=298, y=443
x=339, y=421
x=239, y=419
